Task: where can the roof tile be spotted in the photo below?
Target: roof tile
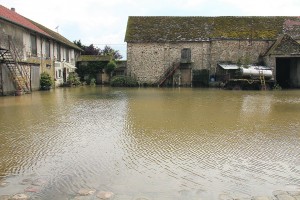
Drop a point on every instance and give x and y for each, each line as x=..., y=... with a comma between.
x=170, y=29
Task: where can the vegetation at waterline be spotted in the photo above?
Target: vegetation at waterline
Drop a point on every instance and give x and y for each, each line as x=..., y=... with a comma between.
x=110, y=67
x=123, y=81
x=73, y=79
x=89, y=71
x=45, y=81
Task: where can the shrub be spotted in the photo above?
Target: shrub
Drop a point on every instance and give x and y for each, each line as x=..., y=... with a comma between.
x=123, y=81
x=45, y=81
x=93, y=82
x=110, y=67
x=73, y=79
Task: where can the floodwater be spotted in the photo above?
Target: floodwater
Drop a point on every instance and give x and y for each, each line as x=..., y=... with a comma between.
x=150, y=143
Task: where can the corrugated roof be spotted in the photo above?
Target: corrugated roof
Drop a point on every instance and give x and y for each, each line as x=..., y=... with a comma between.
x=235, y=66
x=229, y=66
x=15, y=18
x=168, y=29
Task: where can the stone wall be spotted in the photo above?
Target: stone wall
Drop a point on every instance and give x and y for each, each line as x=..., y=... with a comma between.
x=148, y=61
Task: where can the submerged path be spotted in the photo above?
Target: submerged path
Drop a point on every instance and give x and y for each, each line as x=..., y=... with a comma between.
x=89, y=194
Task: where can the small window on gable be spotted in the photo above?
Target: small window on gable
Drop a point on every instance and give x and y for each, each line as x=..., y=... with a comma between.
x=186, y=55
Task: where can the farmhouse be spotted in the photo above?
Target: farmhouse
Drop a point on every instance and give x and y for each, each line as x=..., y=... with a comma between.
x=27, y=49
x=186, y=50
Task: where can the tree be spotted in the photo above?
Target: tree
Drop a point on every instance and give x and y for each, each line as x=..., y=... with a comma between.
x=111, y=52
x=87, y=50
x=91, y=69
x=110, y=67
x=78, y=43
x=92, y=50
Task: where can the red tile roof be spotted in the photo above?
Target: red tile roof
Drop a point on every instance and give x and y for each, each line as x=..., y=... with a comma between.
x=14, y=17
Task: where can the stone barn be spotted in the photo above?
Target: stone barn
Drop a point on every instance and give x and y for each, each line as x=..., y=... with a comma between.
x=187, y=50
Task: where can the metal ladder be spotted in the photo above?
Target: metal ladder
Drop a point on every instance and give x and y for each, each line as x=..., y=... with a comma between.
x=18, y=74
x=262, y=80
x=168, y=73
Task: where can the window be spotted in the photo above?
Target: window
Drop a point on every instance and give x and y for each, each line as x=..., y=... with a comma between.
x=59, y=73
x=186, y=55
x=58, y=52
x=33, y=45
x=67, y=55
x=47, y=49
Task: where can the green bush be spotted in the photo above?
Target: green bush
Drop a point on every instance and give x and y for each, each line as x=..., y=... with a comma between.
x=110, y=67
x=93, y=82
x=123, y=81
x=45, y=81
x=73, y=79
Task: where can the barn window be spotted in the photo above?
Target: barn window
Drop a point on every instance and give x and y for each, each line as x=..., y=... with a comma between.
x=186, y=55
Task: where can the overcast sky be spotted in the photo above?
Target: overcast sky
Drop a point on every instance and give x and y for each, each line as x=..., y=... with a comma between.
x=101, y=22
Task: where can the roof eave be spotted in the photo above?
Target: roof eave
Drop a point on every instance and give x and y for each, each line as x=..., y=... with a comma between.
x=15, y=23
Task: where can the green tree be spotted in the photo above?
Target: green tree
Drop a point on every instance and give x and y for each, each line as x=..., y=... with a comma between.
x=92, y=50
x=110, y=67
x=91, y=69
x=79, y=44
x=111, y=52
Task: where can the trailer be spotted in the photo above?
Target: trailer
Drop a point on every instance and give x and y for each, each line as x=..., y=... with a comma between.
x=249, y=77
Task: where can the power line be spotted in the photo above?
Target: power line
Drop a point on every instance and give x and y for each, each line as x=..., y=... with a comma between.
x=109, y=44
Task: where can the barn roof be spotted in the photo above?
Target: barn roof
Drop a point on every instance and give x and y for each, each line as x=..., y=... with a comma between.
x=168, y=29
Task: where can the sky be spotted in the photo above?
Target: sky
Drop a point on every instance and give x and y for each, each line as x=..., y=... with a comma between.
x=103, y=22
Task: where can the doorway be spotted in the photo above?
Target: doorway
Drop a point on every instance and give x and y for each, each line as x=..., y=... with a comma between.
x=283, y=68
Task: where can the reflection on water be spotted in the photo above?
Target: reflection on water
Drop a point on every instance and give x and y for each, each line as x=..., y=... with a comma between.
x=152, y=143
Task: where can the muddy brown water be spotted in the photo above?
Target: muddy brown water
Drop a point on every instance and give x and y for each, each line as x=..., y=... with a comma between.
x=153, y=143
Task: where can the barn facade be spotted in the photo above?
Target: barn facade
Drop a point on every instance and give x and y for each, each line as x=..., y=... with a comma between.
x=184, y=50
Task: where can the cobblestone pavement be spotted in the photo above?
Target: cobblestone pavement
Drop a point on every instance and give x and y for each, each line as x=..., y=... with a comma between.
x=92, y=194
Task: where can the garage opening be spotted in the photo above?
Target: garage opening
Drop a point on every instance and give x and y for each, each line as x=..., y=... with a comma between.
x=283, y=67
x=288, y=72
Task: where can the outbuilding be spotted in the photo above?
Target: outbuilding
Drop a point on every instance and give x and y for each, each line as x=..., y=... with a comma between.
x=188, y=50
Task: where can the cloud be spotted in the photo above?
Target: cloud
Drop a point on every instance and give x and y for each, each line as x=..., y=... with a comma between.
x=265, y=7
x=104, y=21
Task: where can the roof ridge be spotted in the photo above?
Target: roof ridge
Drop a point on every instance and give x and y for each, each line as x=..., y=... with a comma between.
x=198, y=28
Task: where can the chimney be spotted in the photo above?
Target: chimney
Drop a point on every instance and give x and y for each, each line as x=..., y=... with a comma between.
x=13, y=9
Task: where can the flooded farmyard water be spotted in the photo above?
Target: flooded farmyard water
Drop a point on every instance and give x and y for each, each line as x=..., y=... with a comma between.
x=150, y=143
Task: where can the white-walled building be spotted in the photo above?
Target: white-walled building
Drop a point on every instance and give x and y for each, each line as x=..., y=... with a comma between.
x=27, y=49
